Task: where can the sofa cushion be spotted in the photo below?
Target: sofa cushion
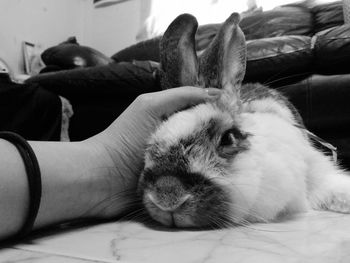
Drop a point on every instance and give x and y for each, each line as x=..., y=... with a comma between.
x=327, y=16
x=274, y=61
x=286, y=20
x=332, y=50
x=279, y=60
x=281, y=21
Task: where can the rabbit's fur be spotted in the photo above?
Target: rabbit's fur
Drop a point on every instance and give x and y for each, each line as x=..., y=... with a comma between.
x=243, y=158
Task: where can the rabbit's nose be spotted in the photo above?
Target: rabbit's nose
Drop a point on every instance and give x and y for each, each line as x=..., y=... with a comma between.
x=169, y=194
x=168, y=206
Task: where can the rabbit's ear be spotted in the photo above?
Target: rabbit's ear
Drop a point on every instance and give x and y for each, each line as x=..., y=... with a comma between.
x=177, y=53
x=223, y=63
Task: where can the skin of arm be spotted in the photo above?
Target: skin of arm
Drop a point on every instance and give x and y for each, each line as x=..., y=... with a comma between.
x=95, y=178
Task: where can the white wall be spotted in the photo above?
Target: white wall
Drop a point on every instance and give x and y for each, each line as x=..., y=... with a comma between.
x=44, y=22
x=49, y=22
x=110, y=29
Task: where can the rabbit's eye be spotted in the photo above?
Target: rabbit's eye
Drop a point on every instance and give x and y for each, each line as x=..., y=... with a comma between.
x=228, y=138
x=231, y=142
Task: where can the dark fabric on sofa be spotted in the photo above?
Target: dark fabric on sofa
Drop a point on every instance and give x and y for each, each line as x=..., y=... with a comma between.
x=98, y=94
x=70, y=54
x=30, y=111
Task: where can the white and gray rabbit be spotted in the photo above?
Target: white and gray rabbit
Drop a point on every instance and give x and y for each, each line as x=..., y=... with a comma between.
x=243, y=158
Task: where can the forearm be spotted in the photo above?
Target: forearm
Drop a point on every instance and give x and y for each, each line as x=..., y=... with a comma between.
x=72, y=181
x=76, y=178
x=14, y=192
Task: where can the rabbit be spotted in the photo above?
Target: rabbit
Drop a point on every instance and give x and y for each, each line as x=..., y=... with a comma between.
x=243, y=158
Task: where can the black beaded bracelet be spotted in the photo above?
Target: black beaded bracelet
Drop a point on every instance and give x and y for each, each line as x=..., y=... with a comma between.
x=34, y=179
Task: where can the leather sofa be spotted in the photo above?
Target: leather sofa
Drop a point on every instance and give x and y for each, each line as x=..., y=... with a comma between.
x=301, y=51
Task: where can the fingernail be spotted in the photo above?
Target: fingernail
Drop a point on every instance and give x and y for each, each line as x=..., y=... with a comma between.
x=213, y=92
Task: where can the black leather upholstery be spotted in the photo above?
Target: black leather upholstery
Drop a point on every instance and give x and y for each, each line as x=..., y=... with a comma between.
x=332, y=50
x=279, y=60
x=323, y=101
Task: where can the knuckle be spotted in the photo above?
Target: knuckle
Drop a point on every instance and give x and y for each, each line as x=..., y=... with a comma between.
x=144, y=100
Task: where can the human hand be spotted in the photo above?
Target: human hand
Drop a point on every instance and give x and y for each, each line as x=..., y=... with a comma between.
x=125, y=140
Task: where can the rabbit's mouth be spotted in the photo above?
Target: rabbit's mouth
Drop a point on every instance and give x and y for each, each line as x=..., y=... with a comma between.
x=173, y=203
x=172, y=217
x=169, y=202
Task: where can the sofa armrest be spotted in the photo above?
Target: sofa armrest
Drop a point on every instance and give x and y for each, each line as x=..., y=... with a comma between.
x=114, y=79
x=98, y=94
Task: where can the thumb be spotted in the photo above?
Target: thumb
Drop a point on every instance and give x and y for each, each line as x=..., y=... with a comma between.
x=176, y=99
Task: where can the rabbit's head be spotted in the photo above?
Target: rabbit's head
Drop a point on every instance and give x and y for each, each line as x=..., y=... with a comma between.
x=191, y=150
x=198, y=171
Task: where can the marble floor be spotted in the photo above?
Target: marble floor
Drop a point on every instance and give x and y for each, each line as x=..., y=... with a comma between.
x=312, y=237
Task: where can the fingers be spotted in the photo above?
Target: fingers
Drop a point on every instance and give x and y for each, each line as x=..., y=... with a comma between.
x=169, y=101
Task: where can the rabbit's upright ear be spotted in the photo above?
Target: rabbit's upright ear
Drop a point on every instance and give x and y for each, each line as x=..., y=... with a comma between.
x=223, y=63
x=179, y=65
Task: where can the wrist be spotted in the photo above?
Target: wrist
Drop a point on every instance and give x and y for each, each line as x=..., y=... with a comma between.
x=77, y=179
x=113, y=189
